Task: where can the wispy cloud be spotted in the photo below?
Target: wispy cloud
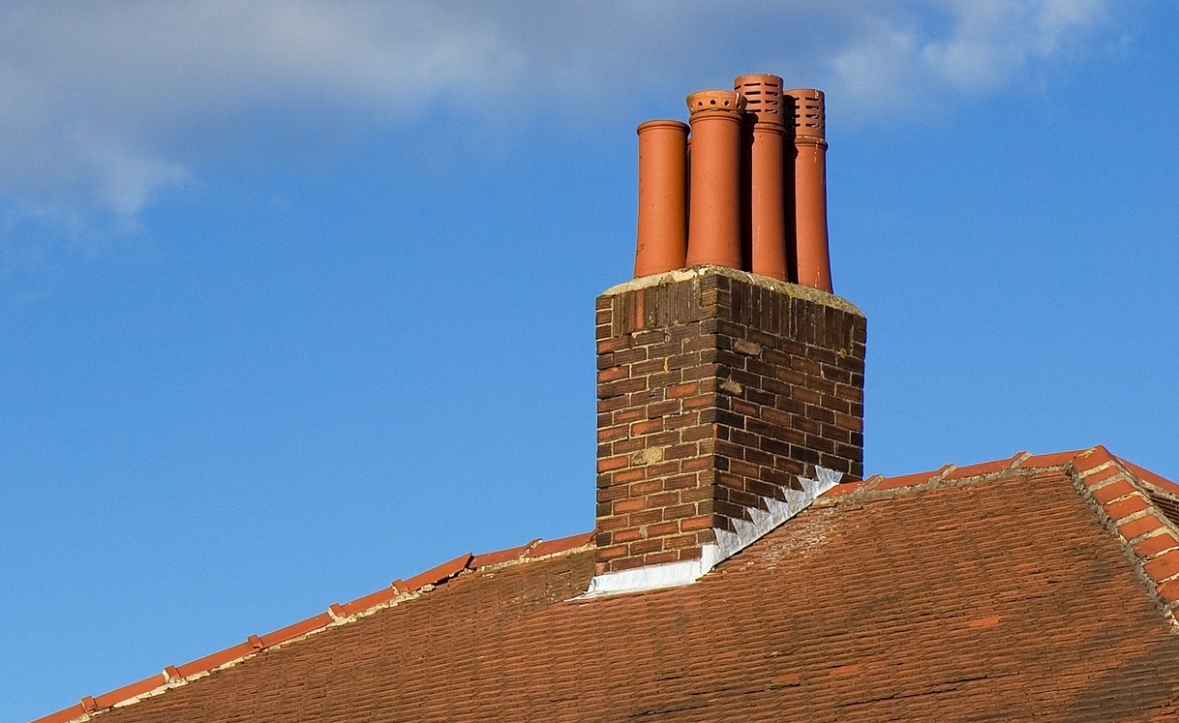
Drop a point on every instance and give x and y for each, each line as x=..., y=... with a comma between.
x=990, y=43
x=103, y=104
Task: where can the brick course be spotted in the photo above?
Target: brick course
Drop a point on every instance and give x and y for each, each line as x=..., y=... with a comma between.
x=717, y=389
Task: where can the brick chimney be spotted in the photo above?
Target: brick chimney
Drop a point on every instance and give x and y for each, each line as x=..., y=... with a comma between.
x=727, y=399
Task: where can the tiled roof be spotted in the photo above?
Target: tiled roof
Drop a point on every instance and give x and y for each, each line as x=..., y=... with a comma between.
x=398, y=592
x=1037, y=587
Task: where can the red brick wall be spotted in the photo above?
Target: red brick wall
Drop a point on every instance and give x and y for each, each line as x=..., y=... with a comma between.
x=716, y=389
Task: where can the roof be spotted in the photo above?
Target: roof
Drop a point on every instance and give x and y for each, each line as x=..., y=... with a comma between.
x=1037, y=587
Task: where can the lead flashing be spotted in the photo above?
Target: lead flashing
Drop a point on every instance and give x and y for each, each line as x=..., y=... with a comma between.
x=728, y=543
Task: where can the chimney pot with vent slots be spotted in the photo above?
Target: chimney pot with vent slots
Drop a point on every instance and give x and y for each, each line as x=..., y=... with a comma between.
x=766, y=131
x=810, y=187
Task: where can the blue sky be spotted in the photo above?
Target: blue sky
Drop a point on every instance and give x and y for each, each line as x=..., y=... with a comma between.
x=296, y=297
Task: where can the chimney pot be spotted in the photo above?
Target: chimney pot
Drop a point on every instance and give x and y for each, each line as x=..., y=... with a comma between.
x=766, y=195
x=663, y=214
x=810, y=187
x=763, y=97
x=722, y=101
x=714, y=211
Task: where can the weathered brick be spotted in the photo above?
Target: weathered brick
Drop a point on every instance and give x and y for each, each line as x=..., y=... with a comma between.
x=696, y=523
x=626, y=476
x=608, y=494
x=609, y=434
x=646, y=517
x=612, y=463
x=661, y=558
x=664, y=529
x=626, y=536
x=629, y=504
x=662, y=499
x=614, y=373
x=644, y=547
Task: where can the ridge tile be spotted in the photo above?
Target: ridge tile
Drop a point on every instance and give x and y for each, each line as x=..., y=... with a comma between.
x=127, y=692
x=435, y=575
x=563, y=544
x=295, y=630
x=910, y=480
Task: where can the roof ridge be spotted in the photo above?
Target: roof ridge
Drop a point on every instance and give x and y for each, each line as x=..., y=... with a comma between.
x=399, y=591
x=1155, y=481
x=1121, y=498
x=878, y=486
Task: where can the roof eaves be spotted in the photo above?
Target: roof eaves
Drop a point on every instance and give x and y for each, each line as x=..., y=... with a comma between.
x=337, y=614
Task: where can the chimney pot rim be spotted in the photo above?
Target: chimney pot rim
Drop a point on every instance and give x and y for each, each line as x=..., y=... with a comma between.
x=759, y=78
x=662, y=123
x=716, y=100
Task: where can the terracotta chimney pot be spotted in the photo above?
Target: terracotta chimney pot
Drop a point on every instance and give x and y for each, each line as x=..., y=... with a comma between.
x=714, y=230
x=767, y=219
x=663, y=210
x=810, y=188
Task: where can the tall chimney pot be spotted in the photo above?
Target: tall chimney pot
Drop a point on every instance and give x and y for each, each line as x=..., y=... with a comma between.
x=810, y=187
x=767, y=131
x=663, y=212
x=714, y=230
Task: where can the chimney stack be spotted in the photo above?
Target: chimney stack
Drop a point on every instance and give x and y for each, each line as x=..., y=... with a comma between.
x=728, y=397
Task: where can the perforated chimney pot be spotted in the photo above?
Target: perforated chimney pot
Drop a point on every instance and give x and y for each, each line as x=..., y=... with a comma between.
x=663, y=210
x=767, y=220
x=714, y=210
x=810, y=187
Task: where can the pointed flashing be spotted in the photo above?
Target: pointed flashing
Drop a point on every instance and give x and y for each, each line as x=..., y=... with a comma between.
x=777, y=511
x=728, y=542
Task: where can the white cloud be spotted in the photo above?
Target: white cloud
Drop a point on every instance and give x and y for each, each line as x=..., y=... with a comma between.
x=991, y=42
x=902, y=51
x=102, y=104
x=95, y=97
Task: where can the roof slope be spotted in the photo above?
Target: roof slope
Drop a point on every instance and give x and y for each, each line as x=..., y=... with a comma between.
x=1006, y=591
